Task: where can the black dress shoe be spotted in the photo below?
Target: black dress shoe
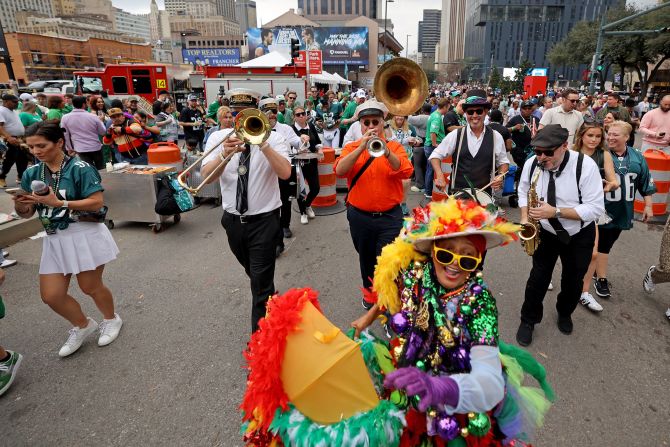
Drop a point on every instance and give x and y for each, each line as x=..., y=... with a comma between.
x=565, y=324
x=279, y=250
x=524, y=335
x=288, y=233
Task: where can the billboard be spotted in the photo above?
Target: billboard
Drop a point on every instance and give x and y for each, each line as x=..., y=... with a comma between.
x=339, y=45
x=215, y=57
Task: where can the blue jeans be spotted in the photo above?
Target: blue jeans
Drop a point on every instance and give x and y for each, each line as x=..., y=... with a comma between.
x=141, y=160
x=428, y=184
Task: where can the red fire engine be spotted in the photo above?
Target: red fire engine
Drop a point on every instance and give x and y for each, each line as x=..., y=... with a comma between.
x=144, y=80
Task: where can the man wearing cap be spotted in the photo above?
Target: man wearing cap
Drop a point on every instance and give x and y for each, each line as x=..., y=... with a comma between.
x=476, y=150
x=11, y=129
x=191, y=119
x=522, y=127
x=250, y=199
x=128, y=136
x=375, y=188
x=287, y=187
x=348, y=116
x=570, y=191
x=565, y=115
x=285, y=114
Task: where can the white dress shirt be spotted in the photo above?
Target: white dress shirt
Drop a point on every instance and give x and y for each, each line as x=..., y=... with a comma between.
x=263, y=189
x=288, y=133
x=353, y=134
x=448, y=146
x=567, y=196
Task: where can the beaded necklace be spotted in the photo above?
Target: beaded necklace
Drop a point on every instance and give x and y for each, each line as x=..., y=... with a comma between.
x=55, y=175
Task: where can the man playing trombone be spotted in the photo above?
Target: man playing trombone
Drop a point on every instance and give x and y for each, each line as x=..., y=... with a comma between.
x=476, y=150
x=248, y=170
x=374, y=169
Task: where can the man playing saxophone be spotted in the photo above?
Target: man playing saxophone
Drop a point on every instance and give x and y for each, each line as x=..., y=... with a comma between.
x=569, y=201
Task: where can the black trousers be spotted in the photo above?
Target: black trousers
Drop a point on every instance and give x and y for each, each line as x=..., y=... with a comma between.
x=575, y=259
x=16, y=155
x=370, y=233
x=93, y=158
x=253, y=244
x=287, y=189
x=519, y=155
x=419, y=161
x=310, y=170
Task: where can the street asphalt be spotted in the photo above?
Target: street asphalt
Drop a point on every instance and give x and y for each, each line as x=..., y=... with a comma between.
x=175, y=376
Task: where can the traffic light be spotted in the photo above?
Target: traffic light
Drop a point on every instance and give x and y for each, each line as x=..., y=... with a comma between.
x=600, y=62
x=295, y=48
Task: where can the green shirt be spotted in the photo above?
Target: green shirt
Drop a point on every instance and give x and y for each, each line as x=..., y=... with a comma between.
x=285, y=117
x=634, y=176
x=212, y=110
x=435, y=124
x=55, y=114
x=622, y=111
x=78, y=181
x=67, y=108
x=349, y=112
x=28, y=119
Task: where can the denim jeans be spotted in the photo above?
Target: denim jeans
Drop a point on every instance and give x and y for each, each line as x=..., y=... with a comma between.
x=428, y=184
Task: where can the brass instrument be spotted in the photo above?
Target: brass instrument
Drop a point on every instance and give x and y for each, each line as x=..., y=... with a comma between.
x=530, y=232
x=376, y=147
x=401, y=85
x=251, y=125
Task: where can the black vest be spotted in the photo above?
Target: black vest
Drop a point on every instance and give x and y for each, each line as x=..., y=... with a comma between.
x=478, y=169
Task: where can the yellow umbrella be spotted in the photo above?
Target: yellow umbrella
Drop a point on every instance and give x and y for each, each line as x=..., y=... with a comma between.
x=323, y=372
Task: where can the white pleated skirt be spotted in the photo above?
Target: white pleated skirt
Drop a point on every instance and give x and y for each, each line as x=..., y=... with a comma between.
x=81, y=247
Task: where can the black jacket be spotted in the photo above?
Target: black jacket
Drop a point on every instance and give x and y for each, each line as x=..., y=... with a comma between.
x=313, y=135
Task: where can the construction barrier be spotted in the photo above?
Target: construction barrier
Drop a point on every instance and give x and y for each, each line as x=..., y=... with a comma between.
x=659, y=168
x=327, y=180
x=438, y=195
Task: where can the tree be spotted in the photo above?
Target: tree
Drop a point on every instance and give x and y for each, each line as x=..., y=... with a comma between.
x=521, y=75
x=496, y=78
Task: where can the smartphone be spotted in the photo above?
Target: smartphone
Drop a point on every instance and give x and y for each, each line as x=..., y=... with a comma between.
x=17, y=192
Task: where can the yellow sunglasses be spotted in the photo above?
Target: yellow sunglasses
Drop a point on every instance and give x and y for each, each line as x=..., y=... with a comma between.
x=466, y=263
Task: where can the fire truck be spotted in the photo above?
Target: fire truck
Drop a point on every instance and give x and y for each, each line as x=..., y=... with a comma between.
x=143, y=80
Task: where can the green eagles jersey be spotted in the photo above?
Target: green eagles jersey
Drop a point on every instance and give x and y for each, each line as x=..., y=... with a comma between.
x=634, y=176
x=349, y=112
x=212, y=110
x=435, y=124
x=78, y=181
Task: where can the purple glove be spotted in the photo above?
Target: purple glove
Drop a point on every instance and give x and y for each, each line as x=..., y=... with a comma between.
x=432, y=390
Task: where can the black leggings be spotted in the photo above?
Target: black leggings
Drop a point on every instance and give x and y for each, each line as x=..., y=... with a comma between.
x=310, y=170
x=606, y=239
x=16, y=155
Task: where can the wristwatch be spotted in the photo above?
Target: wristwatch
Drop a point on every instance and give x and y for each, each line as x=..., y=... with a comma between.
x=558, y=214
x=66, y=204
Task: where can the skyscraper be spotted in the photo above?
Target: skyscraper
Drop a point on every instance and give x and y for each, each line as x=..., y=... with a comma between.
x=343, y=9
x=245, y=12
x=226, y=8
x=174, y=7
x=452, y=32
x=429, y=35
x=503, y=35
x=9, y=8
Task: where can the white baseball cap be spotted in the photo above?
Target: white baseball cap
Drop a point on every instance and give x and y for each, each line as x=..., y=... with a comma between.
x=26, y=97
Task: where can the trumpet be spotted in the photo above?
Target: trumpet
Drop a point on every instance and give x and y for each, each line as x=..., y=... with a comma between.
x=251, y=125
x=376, y=147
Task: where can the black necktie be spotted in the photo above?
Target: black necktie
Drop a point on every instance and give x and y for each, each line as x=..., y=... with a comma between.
x=562, y=234
x=241, y=203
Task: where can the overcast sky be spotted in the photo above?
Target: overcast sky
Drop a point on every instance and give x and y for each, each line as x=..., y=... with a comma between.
x=405, y=14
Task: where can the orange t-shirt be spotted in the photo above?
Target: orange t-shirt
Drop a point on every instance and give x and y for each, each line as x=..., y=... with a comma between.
x=380, y=187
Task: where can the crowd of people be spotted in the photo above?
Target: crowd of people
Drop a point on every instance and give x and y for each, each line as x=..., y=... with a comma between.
x=577, y=174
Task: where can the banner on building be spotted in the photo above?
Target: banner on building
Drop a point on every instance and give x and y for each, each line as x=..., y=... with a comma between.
x=315, y=64
x=338, y=45
x=214, y=57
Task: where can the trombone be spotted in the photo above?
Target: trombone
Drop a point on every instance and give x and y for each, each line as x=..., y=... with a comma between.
x=251, y=125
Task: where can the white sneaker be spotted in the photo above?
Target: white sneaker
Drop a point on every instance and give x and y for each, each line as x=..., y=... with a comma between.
x=310, y=212
x=587, y=300
x=667, y=313
x=8, y=263
x=648, y=283
x=414, y=188
x=5, y=253
x=551, y=286
x=77, y=337
x=109, y=330
x=303, y=219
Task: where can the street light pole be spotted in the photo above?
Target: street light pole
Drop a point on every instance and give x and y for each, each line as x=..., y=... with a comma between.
x=407, y=47
x=386, y=11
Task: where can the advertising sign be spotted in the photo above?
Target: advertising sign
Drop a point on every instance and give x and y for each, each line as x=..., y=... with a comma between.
x=215, y=57
x=315, y=64
x=338, y=45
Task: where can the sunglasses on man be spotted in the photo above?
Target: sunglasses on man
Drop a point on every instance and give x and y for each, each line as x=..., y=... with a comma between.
x=292, y=97
x=299, y=113
x=368, y=123
x=545, y=152
x=471, y=112
x=269, y=109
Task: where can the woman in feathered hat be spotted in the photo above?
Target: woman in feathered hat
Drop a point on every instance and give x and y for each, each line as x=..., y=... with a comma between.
x=461, y=386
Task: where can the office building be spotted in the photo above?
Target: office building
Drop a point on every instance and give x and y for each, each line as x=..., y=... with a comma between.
x=245, y=12
x=452, y=37
x=159, y=23
x=429, y=36
x=174, y=7
x=137, y=25
x=9, y=8
x=226, y=8
x=341, y=9
x=502, y=33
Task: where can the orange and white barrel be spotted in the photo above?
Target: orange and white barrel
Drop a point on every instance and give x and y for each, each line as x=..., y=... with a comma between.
x=659, y=168
x=341, y=182
x=436, y=194
x=327, y=180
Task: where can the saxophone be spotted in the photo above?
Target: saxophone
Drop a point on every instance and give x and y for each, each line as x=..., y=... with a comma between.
x=530, y=232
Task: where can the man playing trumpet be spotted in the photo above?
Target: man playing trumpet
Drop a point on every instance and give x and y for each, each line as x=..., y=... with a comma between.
x=374, y=169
